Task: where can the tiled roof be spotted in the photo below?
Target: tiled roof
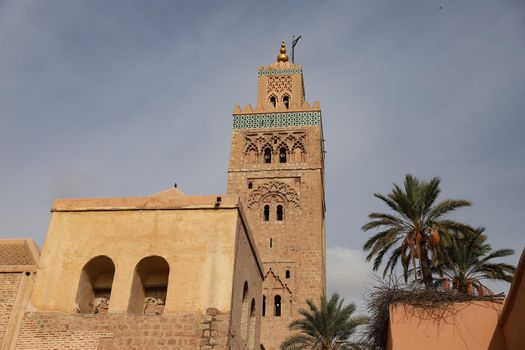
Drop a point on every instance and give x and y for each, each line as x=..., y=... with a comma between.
x=15, y=252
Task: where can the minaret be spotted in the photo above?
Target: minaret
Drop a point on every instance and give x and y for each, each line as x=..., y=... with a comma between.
x=277, y=167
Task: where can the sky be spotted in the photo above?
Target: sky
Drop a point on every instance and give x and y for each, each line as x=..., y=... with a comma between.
x=122, y=98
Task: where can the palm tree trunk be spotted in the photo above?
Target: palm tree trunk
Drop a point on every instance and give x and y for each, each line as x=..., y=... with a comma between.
x=425, y=267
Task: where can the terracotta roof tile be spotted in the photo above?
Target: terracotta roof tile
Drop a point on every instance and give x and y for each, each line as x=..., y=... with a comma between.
x=15, y=253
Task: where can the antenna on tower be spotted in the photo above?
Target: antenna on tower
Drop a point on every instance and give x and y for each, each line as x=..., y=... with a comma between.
x=294, y=42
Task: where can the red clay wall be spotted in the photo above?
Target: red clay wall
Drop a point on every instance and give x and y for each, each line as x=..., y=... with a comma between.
x=462, y=326
x=513, y=318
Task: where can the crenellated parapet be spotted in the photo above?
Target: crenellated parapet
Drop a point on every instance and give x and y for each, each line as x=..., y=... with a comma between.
x=280, y=89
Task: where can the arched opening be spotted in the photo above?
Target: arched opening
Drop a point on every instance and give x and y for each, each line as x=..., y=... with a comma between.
x=266, y=212
x=251, y=326
x=150, y=286
x=244, y=312
x=250, y=185
x=273, y=101
x=94, y=287
x=268, y=155
x=264, y=306
x=286, y=101
x=282, y=155
x=287, y=274
x=280, y=213
x=297, y=154
x=277, y=305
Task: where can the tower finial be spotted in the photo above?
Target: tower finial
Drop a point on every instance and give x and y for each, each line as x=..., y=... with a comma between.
x=283, y=57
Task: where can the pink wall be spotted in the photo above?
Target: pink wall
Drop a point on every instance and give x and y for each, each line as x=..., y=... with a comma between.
x=460, y=326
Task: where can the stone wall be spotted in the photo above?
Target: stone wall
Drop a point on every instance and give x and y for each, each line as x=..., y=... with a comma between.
x=296, y=241
x=44, y=331
x=9, y=284
x=245, y=329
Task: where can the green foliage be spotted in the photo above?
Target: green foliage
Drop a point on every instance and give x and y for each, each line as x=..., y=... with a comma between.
x=406, y=232
x=469, y=260
x=325, y=327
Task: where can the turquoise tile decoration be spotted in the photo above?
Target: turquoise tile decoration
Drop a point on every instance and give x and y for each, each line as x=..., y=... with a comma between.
x=279, y=71
x=276, y=120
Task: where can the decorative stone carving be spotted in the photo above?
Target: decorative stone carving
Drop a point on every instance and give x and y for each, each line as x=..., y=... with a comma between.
x=153, y=305
x=101, y=305
x=293, y=143
x=282, y=192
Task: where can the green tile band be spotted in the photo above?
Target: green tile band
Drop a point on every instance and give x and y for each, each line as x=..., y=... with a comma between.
x=276, y=120
x=279, y=71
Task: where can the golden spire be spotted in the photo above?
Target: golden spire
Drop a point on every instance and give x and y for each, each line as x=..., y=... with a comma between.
x=283, y=57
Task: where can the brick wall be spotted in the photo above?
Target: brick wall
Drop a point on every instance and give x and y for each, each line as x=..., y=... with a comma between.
x=9, y=283
x=44, y=331
x=297, y=242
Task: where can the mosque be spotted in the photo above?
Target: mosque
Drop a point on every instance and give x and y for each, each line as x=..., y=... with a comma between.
x=173, y=271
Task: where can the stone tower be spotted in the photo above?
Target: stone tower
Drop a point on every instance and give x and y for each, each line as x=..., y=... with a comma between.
x=277, y=168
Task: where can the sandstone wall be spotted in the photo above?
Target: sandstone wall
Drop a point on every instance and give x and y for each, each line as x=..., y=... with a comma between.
x=245, y=322
x=198, y=245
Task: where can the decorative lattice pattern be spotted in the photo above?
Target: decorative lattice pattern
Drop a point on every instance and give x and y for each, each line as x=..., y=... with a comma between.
x=292, y=143
x=273, y=188
x=279, y=71
x=276, y=120
x=279, y=84
x=15, y=254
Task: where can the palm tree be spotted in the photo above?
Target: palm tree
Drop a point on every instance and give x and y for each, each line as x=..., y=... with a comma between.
x=327, y=327
x=415, y=226
x=470, y=260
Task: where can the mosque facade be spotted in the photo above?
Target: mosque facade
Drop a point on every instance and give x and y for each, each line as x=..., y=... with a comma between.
x=173, y=271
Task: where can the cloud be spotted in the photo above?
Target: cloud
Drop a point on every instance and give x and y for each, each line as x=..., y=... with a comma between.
x=348, y=274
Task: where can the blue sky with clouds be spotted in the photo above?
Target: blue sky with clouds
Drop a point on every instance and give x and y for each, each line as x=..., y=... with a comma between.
x=124, y=98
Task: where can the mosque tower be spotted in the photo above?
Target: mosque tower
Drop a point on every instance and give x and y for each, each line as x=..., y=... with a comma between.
x=277, y=167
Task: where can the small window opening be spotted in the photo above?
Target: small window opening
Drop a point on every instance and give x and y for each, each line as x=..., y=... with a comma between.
x=286, y=101
x=266, y=213
x=273, y=101
x=277, y=303
x=245, y=313
x=251, y=326
x=94, y=288
x=287, y=274
x=264, y=306
x=150, y=286
x=250, y=185
x=271, y=241
x=267, y=155
x=279, y=213
x=282, y=155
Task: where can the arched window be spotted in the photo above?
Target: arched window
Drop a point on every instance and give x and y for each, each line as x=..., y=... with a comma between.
x=94, y=287
x=286, y=101
x=244, y=312
x=277, y=305
x=280, y=213
x=266, y=212
x=251, y=325
x=273, y=101
x=150, y=286
x=282, y=155
x=250, y=185
x=287, y=274
x=268, y=155
x=264, y=306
